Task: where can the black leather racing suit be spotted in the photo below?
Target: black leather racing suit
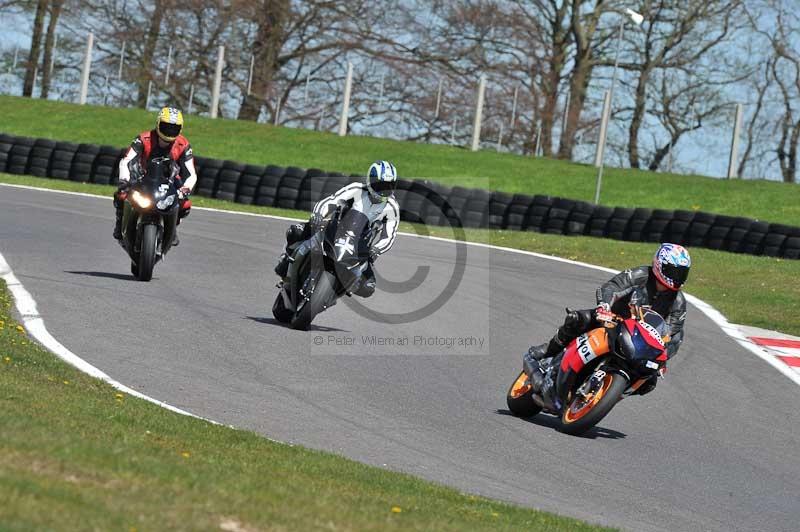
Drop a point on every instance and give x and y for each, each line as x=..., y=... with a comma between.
x=638, y=286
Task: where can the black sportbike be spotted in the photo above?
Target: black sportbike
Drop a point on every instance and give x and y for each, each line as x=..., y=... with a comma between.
x=323, y=268
x=150, y=216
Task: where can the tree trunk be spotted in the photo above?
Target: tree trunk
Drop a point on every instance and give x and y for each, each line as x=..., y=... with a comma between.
x=55, y=13
x=548, y=111
x=36, y=45
x=266, y=49
x=790, y=169
x=578, y=86
x=146, y=63
x=639, y=109
x=661, y=153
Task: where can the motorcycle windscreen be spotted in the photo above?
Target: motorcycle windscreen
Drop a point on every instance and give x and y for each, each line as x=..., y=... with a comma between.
x=646, y=341
x=351, y=241
x=159, y=180
x=160, y=170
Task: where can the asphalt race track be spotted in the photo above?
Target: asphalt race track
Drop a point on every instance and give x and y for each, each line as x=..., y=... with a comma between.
x=715, y=447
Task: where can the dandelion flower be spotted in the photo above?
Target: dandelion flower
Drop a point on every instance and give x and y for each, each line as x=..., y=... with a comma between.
x=7, y=359
x=66, y=382
x=396, y=509
x=185, y=454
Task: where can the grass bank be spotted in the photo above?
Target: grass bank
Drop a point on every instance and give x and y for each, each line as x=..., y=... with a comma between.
x=758, y=291
x=266, y=144
x=75, y=454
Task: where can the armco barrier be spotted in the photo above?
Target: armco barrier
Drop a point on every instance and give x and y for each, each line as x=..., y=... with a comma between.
x=420, y=201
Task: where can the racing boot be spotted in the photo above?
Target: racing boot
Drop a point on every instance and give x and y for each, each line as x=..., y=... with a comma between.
x=175, y=239
x=574, y=325
x=541, y=377
x=118, y=223
x=547, y=349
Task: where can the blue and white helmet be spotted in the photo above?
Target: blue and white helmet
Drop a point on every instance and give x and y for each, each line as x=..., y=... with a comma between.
x=381, y=181
x=671, y=265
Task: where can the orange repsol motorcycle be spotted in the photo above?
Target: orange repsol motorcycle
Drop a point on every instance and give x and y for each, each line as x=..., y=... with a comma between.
x=595, y=370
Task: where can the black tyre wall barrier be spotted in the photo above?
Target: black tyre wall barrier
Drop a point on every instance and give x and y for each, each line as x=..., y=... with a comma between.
x=61, y=160
x=39, y=159
x=19, y=154
x=420, y=201
x=6, y=143
x=598, y=221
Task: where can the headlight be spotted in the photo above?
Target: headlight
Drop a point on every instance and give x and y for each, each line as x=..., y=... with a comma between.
x=141, y=200
x=166, y=202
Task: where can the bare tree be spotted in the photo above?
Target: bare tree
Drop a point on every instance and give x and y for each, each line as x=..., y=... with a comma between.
x=49, y=41
x=677, y=36
x=35, y=48
x=587, y=38
x=271, y=18
x=759, y=84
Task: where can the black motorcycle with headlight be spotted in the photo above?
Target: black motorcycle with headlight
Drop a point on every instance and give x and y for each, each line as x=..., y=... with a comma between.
x=150, y=216
x=323, y=268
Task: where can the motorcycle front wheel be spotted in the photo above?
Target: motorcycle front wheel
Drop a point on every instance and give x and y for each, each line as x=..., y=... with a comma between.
x=585, y=411
x=520, y=397
x=147, y=255
x=319, y=300
x=279, y=310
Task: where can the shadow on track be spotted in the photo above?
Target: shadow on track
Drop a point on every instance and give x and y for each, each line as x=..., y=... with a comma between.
x=550, y=422
x=108, y=275
x=273, y=321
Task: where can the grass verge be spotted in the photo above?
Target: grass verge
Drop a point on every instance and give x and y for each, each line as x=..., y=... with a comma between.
x=265, y=144
x=758, y=291
x=75, y=454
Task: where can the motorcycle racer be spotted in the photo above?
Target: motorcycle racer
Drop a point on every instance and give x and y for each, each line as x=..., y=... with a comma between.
x=375, y=199
x=165, y=140
x=657, y=286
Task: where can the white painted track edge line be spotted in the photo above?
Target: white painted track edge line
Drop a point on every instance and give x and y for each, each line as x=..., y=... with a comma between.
x=712, y=313
x=34, y=324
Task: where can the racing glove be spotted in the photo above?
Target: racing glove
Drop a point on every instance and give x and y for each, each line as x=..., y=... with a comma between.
x=603, y=313
x=121, y=193
x=184, y=193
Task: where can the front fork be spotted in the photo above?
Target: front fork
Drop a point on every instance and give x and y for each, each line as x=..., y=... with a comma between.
x=592, y=384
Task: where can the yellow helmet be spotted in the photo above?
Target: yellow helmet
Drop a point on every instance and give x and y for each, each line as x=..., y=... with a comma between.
x=169, y=123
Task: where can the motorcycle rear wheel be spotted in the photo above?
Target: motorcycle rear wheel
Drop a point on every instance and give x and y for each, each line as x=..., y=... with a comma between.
x=147, y=255
x=323, y=294
x=520, y=397
x=583, y=413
